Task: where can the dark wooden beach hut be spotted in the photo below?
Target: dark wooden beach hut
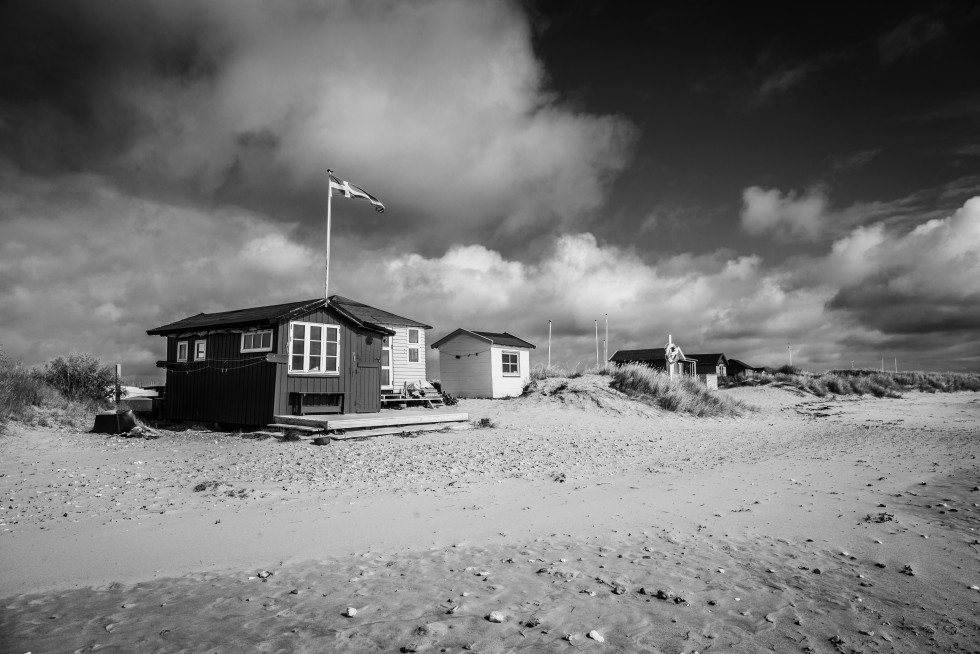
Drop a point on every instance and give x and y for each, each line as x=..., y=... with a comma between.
x=711, y=364
x=243, y=367
x=656, y=358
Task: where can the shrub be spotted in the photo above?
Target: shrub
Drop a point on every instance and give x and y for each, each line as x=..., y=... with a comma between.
x=81, y=378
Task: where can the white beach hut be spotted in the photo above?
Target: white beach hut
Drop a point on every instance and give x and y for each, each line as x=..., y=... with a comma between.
x=483, y=364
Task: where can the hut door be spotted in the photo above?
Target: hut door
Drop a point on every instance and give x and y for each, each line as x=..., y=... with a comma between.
x=367, y=373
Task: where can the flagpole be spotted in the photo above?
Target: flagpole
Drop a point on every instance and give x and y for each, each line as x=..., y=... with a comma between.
x=326, y=271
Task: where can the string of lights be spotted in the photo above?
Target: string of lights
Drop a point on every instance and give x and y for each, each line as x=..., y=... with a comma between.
x=472, y=354
x=220, y=368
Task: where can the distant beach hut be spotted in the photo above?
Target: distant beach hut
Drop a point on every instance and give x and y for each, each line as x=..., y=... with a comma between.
x=483, y=364
x=656, y=358
x=738, y=367
x=710, y=368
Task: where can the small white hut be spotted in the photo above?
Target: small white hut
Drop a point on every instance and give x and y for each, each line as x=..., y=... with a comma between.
x=483, y=364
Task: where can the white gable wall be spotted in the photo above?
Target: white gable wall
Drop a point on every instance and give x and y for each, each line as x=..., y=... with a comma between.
x=401, y=369
x=509, y=385
x=469, y=375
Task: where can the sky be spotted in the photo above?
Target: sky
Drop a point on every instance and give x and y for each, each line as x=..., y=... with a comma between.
x=740, y=176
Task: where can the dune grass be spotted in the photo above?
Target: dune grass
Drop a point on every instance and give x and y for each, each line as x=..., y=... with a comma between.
x=875, y=382
x=681, y=394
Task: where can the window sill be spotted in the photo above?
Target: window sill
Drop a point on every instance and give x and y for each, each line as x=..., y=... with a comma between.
x=313, y=374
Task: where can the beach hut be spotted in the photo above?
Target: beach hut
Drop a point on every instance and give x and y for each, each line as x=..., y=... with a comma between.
x=738, y=367
x=483, y=364
x=656, y=358
x=710, y=368
x=244, y=367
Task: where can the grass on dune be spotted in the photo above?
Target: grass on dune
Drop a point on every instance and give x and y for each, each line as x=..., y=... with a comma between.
x=874, y=382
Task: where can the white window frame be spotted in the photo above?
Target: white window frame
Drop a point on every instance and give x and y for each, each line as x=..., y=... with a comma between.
x=414, y=345
x=324, y=341
x=200, y=349
x=257, y=333
x=386, y=347
x=504, y=363
x=186, y=350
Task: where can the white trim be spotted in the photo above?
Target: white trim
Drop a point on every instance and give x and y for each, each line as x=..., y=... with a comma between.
x=504, y=363
x=386, y=347
x=253, y=334
x=417, y=336
x=414, y=349
x=323, y=346
x=186, y=349
x=200, y=350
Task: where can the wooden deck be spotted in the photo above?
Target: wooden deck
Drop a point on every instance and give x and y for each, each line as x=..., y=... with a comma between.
x=386, y=418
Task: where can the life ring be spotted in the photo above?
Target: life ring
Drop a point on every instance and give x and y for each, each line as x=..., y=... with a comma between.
x=673, y=353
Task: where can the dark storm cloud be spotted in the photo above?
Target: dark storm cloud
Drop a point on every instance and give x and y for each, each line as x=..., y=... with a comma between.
x=437, y=107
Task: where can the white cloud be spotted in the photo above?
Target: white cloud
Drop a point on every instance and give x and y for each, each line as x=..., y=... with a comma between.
x=787, y=217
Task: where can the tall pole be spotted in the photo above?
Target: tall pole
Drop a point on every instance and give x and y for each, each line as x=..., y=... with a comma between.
x=596, y=343
x=605, y=343
x=549, y=343
x=790, y=348
x=896, y=364
x=326, y=267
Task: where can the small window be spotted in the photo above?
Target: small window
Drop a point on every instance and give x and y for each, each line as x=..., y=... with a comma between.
x=511, y=363
x=413, y=355
x=260, y=341
x=413, y=336
x=200, y=350
x=182, y=350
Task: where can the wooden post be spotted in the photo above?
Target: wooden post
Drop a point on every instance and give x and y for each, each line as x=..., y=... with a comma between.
x=118, y=388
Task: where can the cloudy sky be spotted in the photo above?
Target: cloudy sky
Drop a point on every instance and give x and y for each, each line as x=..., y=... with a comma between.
x=738, y=175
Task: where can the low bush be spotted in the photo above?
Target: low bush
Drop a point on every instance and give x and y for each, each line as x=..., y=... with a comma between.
x=682, y=394
x=81, y=378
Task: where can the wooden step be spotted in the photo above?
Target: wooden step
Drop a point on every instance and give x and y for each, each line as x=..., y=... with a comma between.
x=386, y=431
x=356, y=421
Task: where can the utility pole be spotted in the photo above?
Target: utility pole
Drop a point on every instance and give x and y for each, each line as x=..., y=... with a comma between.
x=896, y=364
x=605, y=343
x=790, y=348
x=596, y=343
x=549, y=343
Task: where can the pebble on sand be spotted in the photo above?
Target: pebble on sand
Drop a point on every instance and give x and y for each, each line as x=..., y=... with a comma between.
x=596, y=636
x=496, y=616
x=350, y=612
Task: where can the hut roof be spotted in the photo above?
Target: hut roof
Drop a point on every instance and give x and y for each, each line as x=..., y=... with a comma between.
x=494, y=338
x=649, y=355
x=372, y=315
x=709, y=359
x=262, y=316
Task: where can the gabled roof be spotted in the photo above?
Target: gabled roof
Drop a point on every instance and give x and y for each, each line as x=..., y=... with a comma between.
x=742, y=364
x=709, y=359
x=494, y=338
x=260, y=317
x=370, y=314
x=649, y=355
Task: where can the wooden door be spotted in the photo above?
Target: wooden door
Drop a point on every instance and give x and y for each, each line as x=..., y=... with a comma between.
x=366, y=370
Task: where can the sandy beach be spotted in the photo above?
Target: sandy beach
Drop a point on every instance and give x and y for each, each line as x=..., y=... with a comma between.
x=582, y=520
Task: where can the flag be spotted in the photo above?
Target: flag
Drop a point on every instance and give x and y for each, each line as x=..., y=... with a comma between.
x=351, y=191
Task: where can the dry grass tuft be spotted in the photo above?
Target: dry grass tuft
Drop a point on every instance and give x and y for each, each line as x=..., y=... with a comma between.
x=877, y=383
x=680, y=394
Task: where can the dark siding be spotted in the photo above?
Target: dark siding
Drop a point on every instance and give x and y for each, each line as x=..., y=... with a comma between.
x=350, y=341
x=227, y=387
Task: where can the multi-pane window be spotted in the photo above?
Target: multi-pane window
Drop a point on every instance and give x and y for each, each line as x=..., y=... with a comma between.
x=413, y=346
x=182, y=350
x=260, y=341
x=510, y=363
x=314, y=348
x=200, y=350
x=386, y=362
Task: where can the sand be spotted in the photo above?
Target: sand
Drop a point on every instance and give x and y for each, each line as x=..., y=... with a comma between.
x=807, y=525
